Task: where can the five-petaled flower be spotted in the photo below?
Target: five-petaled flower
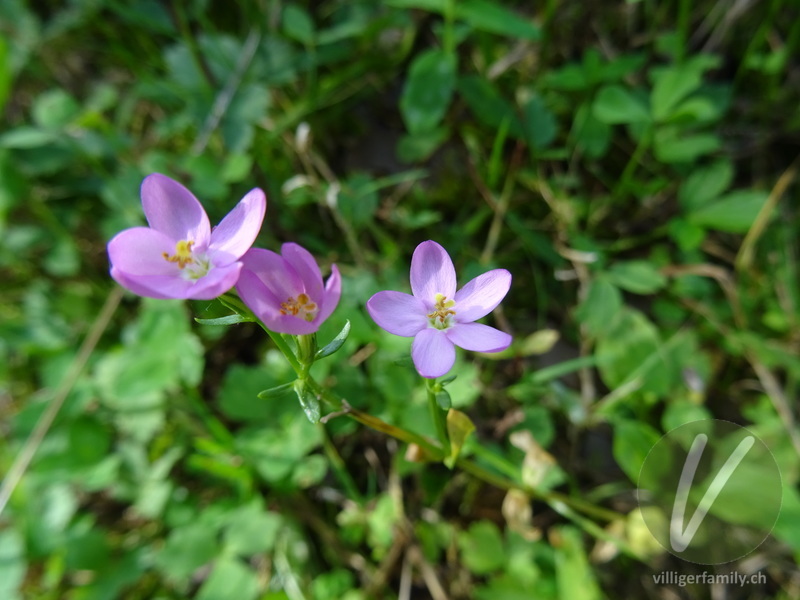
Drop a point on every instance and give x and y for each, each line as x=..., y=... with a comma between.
x=285, y=291
x=179, y=255
x=439, y=317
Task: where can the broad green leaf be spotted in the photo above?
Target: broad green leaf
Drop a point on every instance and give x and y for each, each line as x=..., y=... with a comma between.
x=251, y=530
x=633, y=440
x=672, y=85
x=632, y=349
x=26, y=137
x=590, y=135
x=482, y=548
x=297, y=24
x=489, y=106
x=574, y=575
x=671, y=145
x=187, y=549
x=705, y=183
x=495, y=18
x=637, y=276
x=599, y=308
x=13, y=565
x=55, y=109
x=428, y=90
x=230, y=578
x=615, y=105
x=735, y=212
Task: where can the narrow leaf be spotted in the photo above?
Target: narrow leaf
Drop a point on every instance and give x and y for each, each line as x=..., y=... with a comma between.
x=335, y=343
x=308, y=401
x=227, y=320
x=459, y=428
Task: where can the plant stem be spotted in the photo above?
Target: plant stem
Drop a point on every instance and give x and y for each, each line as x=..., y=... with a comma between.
x=437, y=415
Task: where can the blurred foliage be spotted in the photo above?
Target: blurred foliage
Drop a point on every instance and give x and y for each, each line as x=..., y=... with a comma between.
x=632, y=164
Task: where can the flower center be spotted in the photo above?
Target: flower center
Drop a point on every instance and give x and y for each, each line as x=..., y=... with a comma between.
x=443, y=313
x=301, y=307
x=184, y=256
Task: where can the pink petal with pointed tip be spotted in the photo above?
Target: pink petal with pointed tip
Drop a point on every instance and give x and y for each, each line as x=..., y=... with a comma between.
x=306, y=268
x=238, y=230
x=432, y=273
x=331, y=296
x=398, y=313
x=478, y=338
x=173, y=210
x=481, y=296
x=433, y=353
x=274, y=272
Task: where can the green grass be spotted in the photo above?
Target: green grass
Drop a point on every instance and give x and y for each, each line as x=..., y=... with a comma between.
x=632, y=164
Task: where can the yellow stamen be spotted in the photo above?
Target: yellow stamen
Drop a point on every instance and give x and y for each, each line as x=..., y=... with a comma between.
x=183, y=254
x=301, y=307
x=443, y=310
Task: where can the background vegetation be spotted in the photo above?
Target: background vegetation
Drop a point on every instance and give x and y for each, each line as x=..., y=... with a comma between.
x=631, y=163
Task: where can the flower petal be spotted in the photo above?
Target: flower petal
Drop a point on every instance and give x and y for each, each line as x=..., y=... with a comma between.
x=433, y=353
x=478, y=338
x=306, y=268
x=398, y=313
x=331, y=295
x=274, y=272
x=238, y=230
x=214, y=284
x=266, y=306
x=173, y=210
x=481, y=296
x=140, y=251
x=432, y=273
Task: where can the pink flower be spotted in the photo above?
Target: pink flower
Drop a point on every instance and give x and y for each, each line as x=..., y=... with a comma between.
x=179, y=255
x=285, y=290
x=439, y=317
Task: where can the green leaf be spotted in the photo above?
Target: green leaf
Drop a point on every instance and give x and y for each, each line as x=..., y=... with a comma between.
x=276, y=392
x=540, y=123
x=443, y=399
x=308, y=401
x=6, y=75
x=482, y=548
x=428, y=90
x=13, y=565
x=633, y=440
x=335, y=343
x=55, y=109
x=252, y=530
x=589, y=134
x=599, y=308
x=226, y=320
x=230, y=578
x=672, y=85
x=187, y=549
x=27, y=137
x=637, y=276
x=574, y=576
x=297, y=24
x=489, y=106
x=705, y=183
x=735, y=212
x=672, y=145
x=459, y=428
x=615, y=105
x=494, y=18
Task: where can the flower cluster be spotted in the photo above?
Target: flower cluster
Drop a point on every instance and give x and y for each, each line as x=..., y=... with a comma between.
x=180, y=256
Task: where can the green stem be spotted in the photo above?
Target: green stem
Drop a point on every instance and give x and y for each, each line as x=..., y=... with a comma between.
x=339, y=467
x=437, y=415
